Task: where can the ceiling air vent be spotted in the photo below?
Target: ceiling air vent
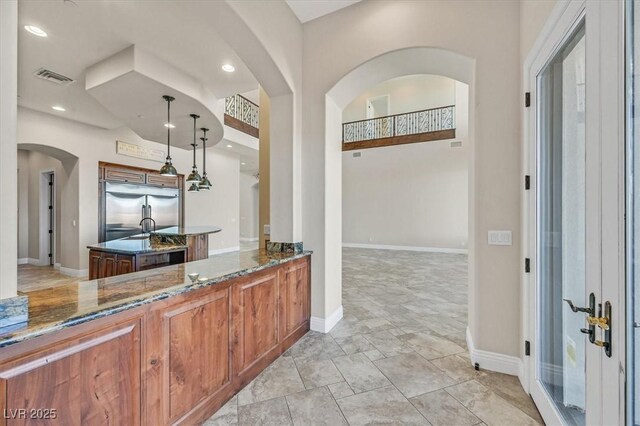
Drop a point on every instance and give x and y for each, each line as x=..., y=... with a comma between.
x=53, y=77
x=357, y=154
x=456, y=144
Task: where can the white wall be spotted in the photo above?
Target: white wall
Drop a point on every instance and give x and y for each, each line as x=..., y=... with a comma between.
x=408, y=93
x=219, y=206
x=409, y=195
x=248, y=206
x=23, y=204
x=8, y=175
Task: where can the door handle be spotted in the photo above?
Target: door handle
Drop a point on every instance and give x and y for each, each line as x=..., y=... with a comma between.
x=590, y=311
x=575, y=308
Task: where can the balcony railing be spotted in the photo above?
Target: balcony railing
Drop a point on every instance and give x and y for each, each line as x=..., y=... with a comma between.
x=409, y=127
x=242, y=114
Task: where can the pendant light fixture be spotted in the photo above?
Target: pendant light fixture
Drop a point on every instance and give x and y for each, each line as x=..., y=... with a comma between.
x=204, y=182
x=194, y=178
x=168, y=169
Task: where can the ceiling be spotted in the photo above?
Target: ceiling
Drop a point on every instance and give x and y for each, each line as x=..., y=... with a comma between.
x=307, y=10
x=84, y=32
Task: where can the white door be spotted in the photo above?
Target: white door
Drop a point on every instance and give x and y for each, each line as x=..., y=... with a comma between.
x=574, y=215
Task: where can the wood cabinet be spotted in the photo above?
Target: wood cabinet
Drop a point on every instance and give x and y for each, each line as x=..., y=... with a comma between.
x=165, y=181
x=295, y=309
x=106, y=264
x=173, y=361
x=91, y=379
x=128, y=174
x=197, y=247
x=198, y=350
x=254, y=319
x=124, y=175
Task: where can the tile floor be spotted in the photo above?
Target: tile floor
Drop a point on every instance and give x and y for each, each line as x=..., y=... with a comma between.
x=398, y=357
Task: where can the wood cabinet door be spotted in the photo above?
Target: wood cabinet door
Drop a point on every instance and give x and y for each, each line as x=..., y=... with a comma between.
x=159, y=180
x=254, y=319
x=108, y=265
x=294, y=297
x=90, y=380
x=196, y=336
x=126, y=264
x=124, y=175
x=95, y=257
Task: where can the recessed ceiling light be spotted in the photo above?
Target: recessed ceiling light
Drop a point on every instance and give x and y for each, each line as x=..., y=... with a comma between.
x=169, y=125
x=243, y=164
x=229, y=146
x=59, y=108
x=35, y=30
x=228, y=68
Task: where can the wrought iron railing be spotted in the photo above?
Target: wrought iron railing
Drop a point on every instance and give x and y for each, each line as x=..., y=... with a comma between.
x=241, y=108
x=409, y=123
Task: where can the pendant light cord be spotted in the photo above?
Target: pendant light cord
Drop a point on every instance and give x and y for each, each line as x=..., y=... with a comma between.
x=195, y=117
x=169, y=128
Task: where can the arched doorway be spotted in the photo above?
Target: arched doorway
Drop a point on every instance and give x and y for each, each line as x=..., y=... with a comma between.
x=416, y=60
x=48, y=204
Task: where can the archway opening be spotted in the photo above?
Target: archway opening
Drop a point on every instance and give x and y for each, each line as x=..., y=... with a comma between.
x=395, y=64
x=48, y=209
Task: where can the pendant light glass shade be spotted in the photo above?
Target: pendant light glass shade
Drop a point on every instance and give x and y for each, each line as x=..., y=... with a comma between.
x=194, y=177
x=168, y=169
x=194, y=187
x=205, y=183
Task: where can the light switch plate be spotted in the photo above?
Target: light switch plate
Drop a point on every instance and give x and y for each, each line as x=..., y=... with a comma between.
x=499, y=238
x=267, y=229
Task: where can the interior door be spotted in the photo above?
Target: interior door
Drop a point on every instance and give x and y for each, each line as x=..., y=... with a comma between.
x=575, y=215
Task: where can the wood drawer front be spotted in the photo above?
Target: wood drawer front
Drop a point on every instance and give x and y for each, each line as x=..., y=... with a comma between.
x=122, y=175
x=92, y=380
x=153, y=259
x=294, y=297
x=159, y=180
x=254, y=319
x=196, y=336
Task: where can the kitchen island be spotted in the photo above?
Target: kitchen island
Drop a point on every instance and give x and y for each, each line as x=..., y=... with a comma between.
x=140, y=252
x=163, y=346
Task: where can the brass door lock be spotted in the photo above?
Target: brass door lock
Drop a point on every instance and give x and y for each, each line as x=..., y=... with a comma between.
x=602, y=322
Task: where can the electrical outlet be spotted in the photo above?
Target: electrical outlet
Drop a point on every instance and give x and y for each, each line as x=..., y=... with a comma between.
x=267, y=229
x=499, y=238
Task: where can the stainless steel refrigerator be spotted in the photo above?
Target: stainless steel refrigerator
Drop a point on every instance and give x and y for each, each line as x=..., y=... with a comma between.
x=127, y=204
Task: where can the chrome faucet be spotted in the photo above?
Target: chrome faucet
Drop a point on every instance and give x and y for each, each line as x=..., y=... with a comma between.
x=145, y=219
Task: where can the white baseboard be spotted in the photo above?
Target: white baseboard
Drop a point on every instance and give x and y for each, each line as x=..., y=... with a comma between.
x=74, y=272
x=493, y=361
x=57, y=265
x=23, y=261
x=324, y=325
x=248, y=239
x=223, y=250
x=406, y=248
x=33, y=261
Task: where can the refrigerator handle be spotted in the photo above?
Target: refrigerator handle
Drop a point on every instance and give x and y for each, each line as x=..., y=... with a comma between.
x=143, y=216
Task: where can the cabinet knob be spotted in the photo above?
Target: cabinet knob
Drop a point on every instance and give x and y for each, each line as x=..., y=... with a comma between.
x=154, y=361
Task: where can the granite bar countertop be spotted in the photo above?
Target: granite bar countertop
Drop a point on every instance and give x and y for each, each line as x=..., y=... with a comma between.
x=137, y=244
x=188, y=230
x=141, y=243
x=62, y=306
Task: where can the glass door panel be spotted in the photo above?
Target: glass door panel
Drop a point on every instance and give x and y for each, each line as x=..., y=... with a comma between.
x=633, y=214
x=561, y=357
